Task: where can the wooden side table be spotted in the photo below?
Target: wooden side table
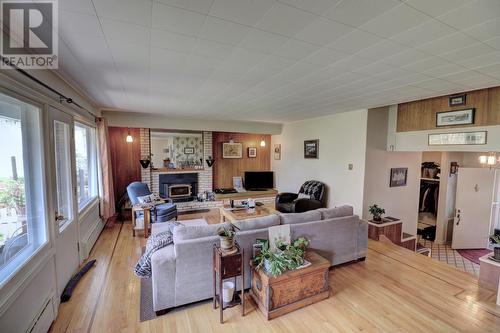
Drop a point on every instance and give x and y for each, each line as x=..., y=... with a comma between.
x=227, y=266
x=146, y=210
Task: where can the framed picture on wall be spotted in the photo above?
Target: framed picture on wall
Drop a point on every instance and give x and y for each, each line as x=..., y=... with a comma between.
x=188, y=150
x=399, y=177
x=457, y=100
x=252, y=152
x=311, y=148
x=277, y=151
x=232, y=150
x=454, y=118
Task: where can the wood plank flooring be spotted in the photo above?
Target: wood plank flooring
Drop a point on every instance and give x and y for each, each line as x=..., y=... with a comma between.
x=394, y=290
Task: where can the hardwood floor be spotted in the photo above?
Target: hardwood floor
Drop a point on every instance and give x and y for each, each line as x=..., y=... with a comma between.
x=394, y=290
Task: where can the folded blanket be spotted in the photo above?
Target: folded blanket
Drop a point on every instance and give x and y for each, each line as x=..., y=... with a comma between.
x=155, y=242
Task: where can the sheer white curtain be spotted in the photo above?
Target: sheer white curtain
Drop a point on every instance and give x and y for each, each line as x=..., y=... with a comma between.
x=108, y=196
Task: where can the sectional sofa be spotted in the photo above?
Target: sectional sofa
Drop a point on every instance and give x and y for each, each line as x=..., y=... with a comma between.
x=182, y=271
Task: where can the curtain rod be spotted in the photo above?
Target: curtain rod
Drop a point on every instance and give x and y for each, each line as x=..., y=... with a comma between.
x=62, y=98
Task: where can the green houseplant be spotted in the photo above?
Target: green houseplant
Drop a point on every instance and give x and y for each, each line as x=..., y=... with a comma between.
x=286, y=257
x=226, y=236
x=495, y=241
x=376, y=212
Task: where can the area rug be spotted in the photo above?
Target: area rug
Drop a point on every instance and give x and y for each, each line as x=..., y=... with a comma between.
x=473, y=254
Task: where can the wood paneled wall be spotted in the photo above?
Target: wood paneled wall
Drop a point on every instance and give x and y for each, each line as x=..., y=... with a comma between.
x=421, y=115
x=225, y=169
x=125, y=158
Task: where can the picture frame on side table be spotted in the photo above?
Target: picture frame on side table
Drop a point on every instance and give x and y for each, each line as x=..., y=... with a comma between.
x=399, y=177
x=311, y=148
x=252, y=152
x=232, y=150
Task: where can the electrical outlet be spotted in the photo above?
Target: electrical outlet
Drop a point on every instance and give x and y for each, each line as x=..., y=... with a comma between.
x=350, y=166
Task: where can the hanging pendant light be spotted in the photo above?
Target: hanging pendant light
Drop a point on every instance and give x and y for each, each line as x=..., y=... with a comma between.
x=129, y=137
x=490, y=160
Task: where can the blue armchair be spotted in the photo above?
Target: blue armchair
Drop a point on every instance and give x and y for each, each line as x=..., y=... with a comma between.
x=162, y=212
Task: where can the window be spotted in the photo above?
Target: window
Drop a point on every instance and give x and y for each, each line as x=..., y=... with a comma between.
x=86, y=164
x=22, y=213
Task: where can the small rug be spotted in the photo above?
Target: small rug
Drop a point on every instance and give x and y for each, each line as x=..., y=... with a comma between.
x=473, y=254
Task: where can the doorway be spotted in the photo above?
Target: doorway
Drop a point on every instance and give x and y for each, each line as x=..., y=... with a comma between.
x=67, y=257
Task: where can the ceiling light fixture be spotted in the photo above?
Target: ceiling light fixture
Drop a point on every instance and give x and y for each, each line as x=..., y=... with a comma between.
x=262, y=143
x=129, y=138
x=490, y=160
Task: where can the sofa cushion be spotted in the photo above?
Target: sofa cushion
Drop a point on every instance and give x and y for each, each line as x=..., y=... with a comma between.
x=197, y=231
x=331, y=213
x=292, y=218
x=257, y=223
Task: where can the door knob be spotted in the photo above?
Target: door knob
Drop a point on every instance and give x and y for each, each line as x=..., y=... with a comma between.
x=458, y=217
x=59, y=217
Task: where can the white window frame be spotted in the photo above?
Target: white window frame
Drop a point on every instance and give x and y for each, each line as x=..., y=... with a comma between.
x=93, y=161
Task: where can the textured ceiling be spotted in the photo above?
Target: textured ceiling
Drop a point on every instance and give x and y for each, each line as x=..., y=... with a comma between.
x=276, y=61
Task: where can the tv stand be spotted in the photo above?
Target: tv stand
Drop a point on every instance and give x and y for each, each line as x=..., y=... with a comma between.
x=246, y=195
x=257, y=189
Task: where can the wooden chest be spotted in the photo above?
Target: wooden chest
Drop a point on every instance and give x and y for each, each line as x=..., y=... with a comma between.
x=292, y=290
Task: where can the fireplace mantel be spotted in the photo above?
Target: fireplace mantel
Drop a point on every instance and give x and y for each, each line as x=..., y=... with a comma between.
x=169, y=171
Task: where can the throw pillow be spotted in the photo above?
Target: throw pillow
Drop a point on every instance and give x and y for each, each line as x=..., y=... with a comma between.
x=304, y=196
x=145, y=199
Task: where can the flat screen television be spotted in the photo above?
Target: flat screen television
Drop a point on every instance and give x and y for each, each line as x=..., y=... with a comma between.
x=259, y=180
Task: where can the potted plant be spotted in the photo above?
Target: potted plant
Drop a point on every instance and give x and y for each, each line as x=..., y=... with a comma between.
x=226, y=236
x=376, y=212
x=495, y=242
x=286, y=257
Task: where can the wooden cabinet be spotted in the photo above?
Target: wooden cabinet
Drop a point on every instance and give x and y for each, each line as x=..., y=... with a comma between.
x=292, y=290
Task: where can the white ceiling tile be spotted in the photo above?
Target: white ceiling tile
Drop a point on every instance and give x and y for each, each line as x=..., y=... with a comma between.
x=172, y=41
x=358, y=12
x=79, y=6
x=241, y=11
x=481, y=61
x=447, y=43
x=381, y=50
x=285, y=20
x=373, y=69
x=492, y=68
x=485, y=30
x=295, y=49
x=177, y=20
x=132, y=11
x=130, y=33
x=325, y=56
x=444, y=70
x=397, y=19
x=212, y=49
x=473, y=13
x=420, y=34
x=355, y=41
x=425, y=64
x=201, y=6
x=468, y=52
x=405, y=57
x=263, y=41
x=494, y=42
x=323, y=32
x=223, y=31
x=436, y=8
x=72, y=23
x=315, y=6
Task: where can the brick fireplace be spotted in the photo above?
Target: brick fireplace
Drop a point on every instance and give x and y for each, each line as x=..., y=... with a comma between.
x=180, y=187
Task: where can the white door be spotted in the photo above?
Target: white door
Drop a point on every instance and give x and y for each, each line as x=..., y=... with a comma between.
x=473, y=208
x=65, y=224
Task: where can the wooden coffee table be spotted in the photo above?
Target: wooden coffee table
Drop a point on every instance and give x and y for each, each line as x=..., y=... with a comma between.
x=228, y=214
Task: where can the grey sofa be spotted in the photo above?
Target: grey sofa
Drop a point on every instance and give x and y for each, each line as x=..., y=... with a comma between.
x=182, y=271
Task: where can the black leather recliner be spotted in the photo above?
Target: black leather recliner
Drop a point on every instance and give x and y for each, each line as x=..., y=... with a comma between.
x=290, y=202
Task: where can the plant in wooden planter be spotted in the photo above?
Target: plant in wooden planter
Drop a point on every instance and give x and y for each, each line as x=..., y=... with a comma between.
x=286, y=257
x=495, y=241
x=376, y=212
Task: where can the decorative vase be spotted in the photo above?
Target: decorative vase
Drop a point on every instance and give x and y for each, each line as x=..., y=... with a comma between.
x=226, y=243
x=145, y=163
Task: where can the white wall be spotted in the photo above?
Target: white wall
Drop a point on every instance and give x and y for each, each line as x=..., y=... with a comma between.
x=158, y=121
x=401, y=202
x=342, y=140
